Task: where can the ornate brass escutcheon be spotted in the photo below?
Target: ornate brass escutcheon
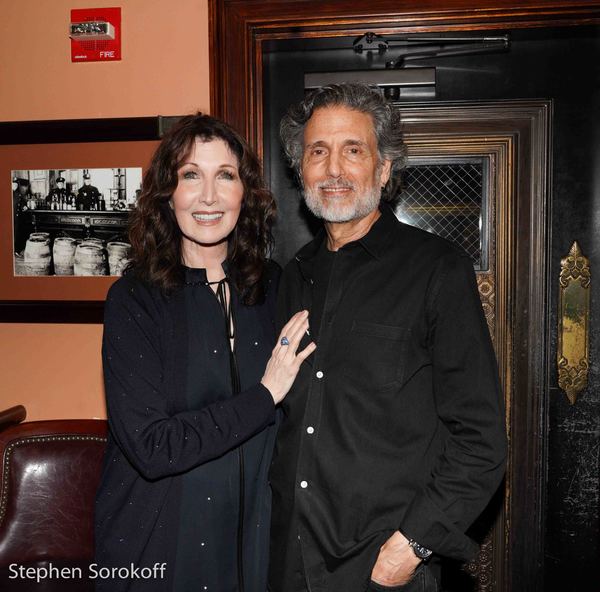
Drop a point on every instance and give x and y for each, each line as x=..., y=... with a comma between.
x=573, y=323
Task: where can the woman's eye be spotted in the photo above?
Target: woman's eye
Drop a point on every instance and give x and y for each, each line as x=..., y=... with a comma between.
x=227, y=175
x=189, y=175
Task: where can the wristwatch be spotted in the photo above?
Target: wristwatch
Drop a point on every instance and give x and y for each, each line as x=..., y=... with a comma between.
x=421, y=552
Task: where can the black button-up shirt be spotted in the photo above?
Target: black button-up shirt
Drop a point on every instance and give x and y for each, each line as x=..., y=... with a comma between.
x=396, y=421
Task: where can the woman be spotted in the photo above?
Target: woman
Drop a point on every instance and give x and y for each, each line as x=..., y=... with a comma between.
x=191, y=390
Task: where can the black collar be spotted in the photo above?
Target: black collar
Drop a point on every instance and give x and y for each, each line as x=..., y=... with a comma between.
x=375, y=242
x=197, y=275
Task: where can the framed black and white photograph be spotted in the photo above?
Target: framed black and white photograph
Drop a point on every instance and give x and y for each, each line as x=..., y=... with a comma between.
x=67, y=190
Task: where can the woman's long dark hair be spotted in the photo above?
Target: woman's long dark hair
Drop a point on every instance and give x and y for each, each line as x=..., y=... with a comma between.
x=155, y=235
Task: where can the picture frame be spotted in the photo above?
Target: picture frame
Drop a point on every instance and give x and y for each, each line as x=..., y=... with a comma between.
x=64, y=144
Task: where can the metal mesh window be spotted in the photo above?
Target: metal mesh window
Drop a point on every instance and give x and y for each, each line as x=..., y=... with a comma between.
x=449, y=198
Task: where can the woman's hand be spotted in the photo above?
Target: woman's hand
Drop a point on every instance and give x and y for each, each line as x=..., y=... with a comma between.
x=284, y=363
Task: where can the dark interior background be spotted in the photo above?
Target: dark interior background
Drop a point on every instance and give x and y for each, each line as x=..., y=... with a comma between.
x=559, y=64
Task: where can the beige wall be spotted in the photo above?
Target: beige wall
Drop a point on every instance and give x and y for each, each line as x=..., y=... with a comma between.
x=163, y=70
x=55, y=370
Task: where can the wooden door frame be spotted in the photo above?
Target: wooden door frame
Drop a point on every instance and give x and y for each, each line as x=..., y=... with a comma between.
x=238, y=30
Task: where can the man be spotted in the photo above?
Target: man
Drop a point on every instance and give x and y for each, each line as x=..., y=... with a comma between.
x=88, y=196
x=393, y=439
x=60, y=196
x=21, y=226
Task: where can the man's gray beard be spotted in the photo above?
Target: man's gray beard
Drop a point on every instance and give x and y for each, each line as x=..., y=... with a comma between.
x=334, y=211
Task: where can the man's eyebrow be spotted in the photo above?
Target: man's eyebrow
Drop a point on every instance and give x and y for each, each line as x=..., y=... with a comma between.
x=354, y=142
x=316, y=143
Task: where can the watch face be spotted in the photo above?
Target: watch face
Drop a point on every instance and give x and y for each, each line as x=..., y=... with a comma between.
x=420, y=552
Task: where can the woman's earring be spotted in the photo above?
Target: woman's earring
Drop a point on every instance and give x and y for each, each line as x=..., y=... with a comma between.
x=171, y=205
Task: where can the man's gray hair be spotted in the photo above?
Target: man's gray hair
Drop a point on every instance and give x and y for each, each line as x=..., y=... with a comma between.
x=359, y=97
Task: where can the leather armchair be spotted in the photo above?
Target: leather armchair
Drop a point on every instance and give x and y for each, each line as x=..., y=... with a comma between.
x=49, y=474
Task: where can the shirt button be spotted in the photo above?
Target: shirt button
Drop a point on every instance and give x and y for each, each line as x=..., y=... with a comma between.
x=319, y=374
x=304, y=484
x=310, y=430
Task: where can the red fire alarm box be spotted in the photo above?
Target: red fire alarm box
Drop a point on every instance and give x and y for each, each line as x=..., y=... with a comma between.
x=95, y=34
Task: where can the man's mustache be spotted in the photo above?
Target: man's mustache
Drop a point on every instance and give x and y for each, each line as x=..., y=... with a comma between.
x=336, y=185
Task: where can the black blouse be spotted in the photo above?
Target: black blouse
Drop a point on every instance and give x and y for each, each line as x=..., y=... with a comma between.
x=185, y=475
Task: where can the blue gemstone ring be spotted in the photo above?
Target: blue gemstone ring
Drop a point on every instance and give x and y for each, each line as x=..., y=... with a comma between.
x=284, y=341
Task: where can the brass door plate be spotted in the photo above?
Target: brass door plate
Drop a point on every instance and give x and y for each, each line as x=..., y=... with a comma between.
x=573, y=323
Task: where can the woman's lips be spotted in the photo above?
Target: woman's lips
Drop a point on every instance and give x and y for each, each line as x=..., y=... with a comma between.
x=207, y=218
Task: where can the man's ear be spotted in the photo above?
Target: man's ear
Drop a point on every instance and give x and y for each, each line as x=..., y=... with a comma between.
x=384, y=176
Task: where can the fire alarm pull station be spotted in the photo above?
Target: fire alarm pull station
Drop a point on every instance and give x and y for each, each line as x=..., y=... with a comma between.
x=95, y=34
